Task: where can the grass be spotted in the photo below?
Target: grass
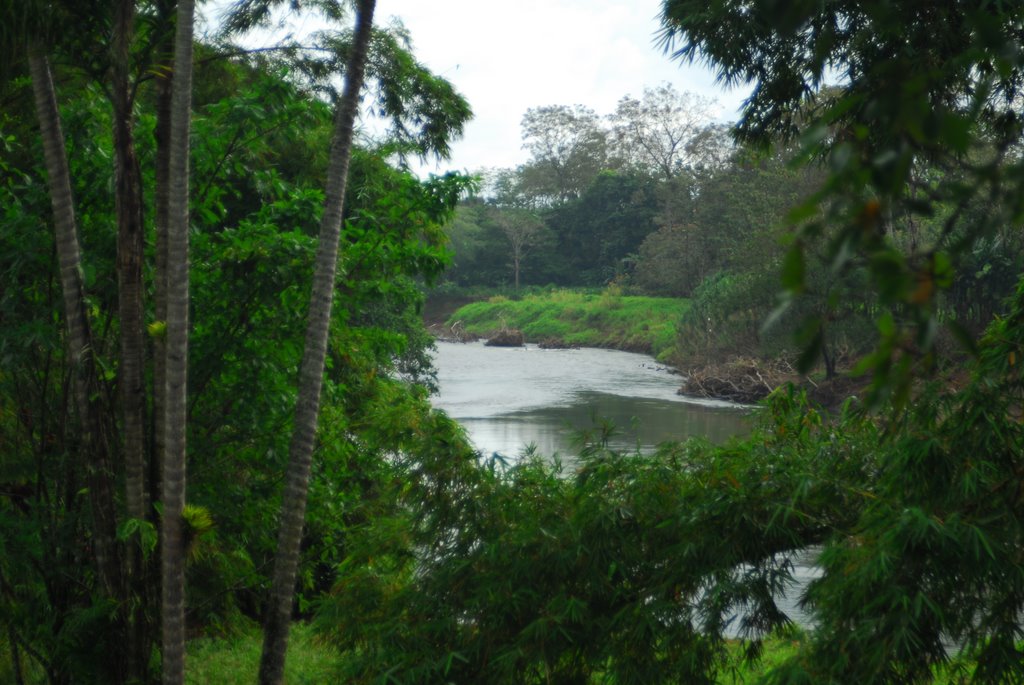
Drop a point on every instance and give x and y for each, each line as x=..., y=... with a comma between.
x=236, y=660
x=225, y=661
x=608, y=319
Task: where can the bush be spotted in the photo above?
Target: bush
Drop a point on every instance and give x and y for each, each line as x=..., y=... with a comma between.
x=616, y=567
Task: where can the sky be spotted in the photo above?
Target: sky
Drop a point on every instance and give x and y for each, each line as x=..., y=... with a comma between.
x=506, y=56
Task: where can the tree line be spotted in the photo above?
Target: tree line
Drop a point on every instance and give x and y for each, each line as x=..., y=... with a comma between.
x=592, y=190
x=659, y=199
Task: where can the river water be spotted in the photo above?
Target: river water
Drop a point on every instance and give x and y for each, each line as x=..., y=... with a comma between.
x=511, y=397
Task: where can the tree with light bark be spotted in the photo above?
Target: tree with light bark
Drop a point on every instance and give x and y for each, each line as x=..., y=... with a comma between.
x=307, y=411
x=665, y=131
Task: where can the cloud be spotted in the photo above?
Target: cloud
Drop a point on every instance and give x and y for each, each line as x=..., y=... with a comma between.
x=506, y=56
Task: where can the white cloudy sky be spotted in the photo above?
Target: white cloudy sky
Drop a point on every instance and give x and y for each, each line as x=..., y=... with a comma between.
x=506, y=56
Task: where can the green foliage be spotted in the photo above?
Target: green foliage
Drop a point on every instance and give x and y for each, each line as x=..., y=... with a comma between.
x=724, y=318
x=637, y=567
x=642, y=324
x=921, y=141
x=616, y=568
x=422, y=111
x=933, y=559
x=314, y=660
x=258, y=154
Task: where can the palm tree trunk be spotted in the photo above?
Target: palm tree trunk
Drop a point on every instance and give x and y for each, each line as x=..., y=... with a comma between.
x=128, y=205
x=128, y=201
x=307, y=410
x=81, y=358
x=173, y=481
x=164, y=79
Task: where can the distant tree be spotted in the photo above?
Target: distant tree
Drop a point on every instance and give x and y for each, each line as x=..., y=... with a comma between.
x=512, y=188
x=665, y=131
x=465, y=238
x=568, y=148
x=670, y=261
x=524, y=232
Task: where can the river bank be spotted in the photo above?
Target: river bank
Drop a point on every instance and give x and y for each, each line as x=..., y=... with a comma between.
x=568, y=318
x=611, y=320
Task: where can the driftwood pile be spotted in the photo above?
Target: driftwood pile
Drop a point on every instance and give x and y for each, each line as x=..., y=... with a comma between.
x=741, y=380
x=454, y=333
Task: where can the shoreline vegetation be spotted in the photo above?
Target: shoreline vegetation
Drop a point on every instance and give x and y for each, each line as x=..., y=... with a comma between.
x=567, y=318
x=610, y=319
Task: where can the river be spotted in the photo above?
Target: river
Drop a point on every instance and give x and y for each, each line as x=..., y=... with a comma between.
x=511, y=397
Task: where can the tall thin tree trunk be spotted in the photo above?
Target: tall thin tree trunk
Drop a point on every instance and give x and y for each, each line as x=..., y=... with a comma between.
x=307, y=410
x=128, y=200
x=173, y=481
x=164, y=79
x=81, y=358
x=128, y=205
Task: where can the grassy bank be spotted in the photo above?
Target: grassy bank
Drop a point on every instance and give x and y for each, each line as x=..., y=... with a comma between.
x=236, y=660
x=608, y=319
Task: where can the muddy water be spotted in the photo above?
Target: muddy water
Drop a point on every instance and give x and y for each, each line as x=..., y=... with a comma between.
x=508, y=398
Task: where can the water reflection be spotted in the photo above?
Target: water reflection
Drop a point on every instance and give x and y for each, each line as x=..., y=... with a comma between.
x=508, y=398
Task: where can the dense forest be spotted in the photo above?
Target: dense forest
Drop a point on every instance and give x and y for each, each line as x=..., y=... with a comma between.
x=215, y=378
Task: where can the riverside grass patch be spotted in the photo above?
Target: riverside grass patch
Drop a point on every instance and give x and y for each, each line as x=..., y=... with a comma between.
x=227, y=661
x=607, y=319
